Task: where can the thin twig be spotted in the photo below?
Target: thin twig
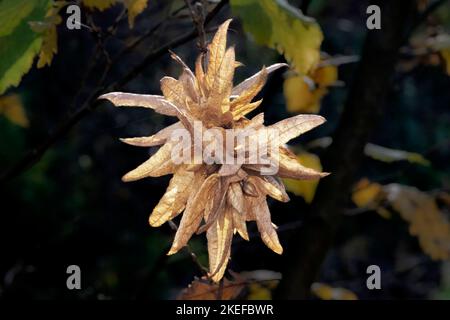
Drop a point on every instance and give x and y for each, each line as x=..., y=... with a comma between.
x=198, y=17
x=220, y=290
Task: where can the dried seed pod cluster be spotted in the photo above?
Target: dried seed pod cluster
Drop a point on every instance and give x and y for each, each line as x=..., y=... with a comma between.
x=216, y=198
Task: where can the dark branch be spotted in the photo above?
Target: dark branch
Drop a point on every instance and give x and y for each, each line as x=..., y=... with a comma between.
x=34, y=155
x=305, y=6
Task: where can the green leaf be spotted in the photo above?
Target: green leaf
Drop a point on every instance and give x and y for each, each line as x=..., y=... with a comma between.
x=12, y=12
x=278, y=25
x=390, y=155
x=19, y=44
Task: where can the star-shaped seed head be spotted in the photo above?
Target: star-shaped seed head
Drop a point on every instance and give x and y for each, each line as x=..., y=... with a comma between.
x=218, y=198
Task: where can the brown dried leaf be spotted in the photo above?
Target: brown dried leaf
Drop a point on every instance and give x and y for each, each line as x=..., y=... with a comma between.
x=242, y=110
x=173, y=91
x=249, y=82
x=192, y=216
x=247, y=95
x=222, y=84
x=176, y=196
x=291, y=168
x=239, y=224
x=266, y=229
x=155, y=102
x=158, y=165
x=249, y=187
x=292, y=127
x=219, y=237
x=229, y=169
x=155, y=140
x=216, y=52
x=235, y=197
x=199, y=72
x=273, y=187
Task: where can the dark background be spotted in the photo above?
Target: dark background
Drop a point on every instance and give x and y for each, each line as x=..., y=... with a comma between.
x=72, y=208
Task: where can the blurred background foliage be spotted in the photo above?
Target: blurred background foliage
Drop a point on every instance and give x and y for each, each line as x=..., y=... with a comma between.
x=72, y=208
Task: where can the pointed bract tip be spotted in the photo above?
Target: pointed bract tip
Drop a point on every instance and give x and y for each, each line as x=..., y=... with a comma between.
x=322, y=119
x=106, y=96
x=154, y=222
x=172, y=251
x=278, y=250
x=128, y=178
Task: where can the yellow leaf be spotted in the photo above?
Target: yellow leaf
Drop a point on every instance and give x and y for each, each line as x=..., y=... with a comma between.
x=11, y=107
x=281, y=26
x=385, y=213
x=326, y=292
x=304, y=97
x=259, y=292
x=305, y=188
x=325, y=76
x=134, y=7
x=445, y=53
x=299, y=96
x=50, y=35
x=49, y=47
x=99, y=4
x=390, y=155
x=366, y=193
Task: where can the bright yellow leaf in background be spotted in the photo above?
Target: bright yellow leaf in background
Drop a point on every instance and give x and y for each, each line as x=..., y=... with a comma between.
x=326, y=292
x=305, y=188
x=446, y=56
x=426, y=221
x=11, y=107
x=366, y=193
x=325, y=76
x=99, y=4
x=388, y=155
x=135, y=7
x=305, y=95
x=49, y=34
x=278, y=25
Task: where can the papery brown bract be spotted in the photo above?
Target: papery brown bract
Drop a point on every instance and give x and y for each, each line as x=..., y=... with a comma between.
x=222, y=196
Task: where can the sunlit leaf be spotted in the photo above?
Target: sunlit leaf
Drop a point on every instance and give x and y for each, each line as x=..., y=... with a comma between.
x=226, y=195
x=366, y=193
x=303, y=188
x=304, y=94
x=21, y=44
x=134, y=7
x=390, y=155
x=277, y=24
x=326, y=292
x=426, y=221
x=99, y=4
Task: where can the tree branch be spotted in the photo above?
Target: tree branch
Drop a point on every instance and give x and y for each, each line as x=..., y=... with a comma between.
x=34, y=155
x=364, y=107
